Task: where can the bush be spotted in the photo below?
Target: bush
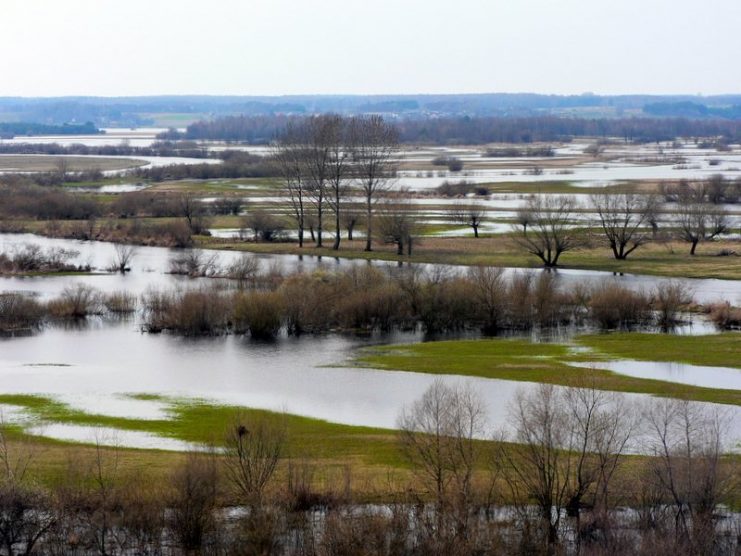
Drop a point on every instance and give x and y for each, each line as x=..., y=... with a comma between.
x=260, y=313
x=19, y=312
x=613, y=306
x=76, y=302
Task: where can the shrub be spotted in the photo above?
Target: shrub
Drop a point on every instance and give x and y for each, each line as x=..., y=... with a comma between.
x=76, y=302
x=614, y=306
x=19, y=312
x=259, y=312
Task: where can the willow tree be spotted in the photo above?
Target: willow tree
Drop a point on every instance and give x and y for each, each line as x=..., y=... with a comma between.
x=624, y=219
x=546, y=227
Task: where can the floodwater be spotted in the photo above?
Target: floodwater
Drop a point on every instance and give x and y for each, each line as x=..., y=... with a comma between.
x=682, y=373
x=95, y=367
x=99, y=365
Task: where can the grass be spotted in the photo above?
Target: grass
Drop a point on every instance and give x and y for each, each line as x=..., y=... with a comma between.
x=370, y=456
x=202, y=422
x=521, y=360
x=720, y=350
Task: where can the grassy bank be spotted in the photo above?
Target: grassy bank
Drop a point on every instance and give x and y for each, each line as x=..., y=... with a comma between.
x=521, y=360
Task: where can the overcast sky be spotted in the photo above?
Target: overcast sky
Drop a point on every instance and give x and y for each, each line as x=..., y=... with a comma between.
x=275, y=47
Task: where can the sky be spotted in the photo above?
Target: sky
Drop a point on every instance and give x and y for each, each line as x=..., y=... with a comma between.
x=282, y=47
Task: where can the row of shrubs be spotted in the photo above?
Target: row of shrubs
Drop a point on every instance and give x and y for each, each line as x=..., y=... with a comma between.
x=365, y=299
x=368, y=298
x=31, y=258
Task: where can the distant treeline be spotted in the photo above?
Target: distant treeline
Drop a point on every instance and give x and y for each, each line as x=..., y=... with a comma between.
x=161, y=148
x=466, y=130
x=688, y=109
x=251, y=129
x=11, y=129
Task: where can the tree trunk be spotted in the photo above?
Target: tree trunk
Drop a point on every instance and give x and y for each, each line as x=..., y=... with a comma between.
x=319, y=225
x=475, y=231
x=368, y=231
x=694, y=246
x=337, y=231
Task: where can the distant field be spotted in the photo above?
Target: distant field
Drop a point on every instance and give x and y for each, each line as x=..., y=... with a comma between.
x=43, y=163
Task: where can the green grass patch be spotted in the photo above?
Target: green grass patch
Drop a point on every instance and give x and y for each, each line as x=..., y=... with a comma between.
x=521, y=360
x=202, y=422
x=718, y=350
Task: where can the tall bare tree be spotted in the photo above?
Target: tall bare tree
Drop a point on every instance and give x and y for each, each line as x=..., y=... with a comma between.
x=320, y=136
x=340, y=155
x=623, y=218
x=546, y=227
x=688, y=467
x=438, y=435
x=374, y=143
x=290, y=161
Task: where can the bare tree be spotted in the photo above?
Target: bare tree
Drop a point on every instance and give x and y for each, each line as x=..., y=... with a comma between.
x=253, y=448
x=340, y=155
x=468, y=215
x=623, y=218
x=438, y=435
x=700, y=222
x=396, y=225
x=123, y=254
x=320, y=136
x=547, y=227
x=374, y=144
x=490, y=292
x=289, y=159
x=536, y=466
x=688, y=467
x=568, y=444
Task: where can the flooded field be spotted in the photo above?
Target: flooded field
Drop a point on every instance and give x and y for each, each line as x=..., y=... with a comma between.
x=103, y=365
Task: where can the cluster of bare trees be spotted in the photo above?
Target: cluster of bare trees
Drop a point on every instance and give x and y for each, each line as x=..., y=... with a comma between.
x=560, y=470
x=547, y=226
x=321, y=157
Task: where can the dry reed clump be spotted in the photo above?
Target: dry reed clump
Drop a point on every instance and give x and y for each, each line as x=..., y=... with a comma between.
x=724, y=315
